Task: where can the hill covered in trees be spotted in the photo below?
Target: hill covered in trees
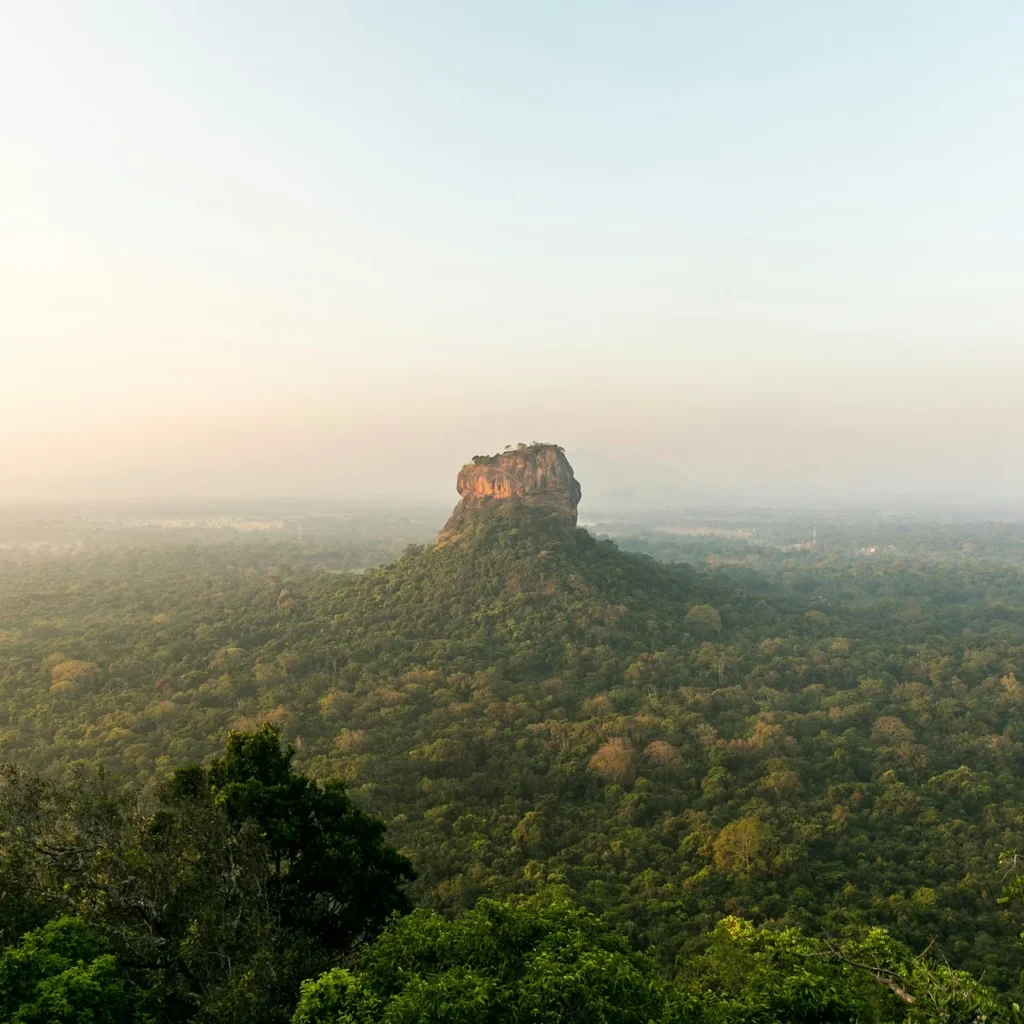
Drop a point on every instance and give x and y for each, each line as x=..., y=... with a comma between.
x=831, y=747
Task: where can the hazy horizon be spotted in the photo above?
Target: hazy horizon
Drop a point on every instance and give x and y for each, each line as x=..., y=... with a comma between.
x=338, y=250
x=610, y=488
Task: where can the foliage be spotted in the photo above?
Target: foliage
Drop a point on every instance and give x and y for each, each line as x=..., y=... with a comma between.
x=543, y=961
x=547, y=960
x=753, y=975
x=209, y=899
x=526, y=705
x=704, y=620
x=532, y=447
x=64, y=973
x=331, y=874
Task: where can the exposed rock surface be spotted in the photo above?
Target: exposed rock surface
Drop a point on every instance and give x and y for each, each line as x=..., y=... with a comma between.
x=536, y=474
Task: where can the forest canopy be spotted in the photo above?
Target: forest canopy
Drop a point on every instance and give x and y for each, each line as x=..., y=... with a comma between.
x=819, y=740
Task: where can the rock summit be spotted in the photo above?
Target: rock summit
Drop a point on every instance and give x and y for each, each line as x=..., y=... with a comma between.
x=537, y=475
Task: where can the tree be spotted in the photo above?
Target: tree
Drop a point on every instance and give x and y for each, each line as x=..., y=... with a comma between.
x=817, y=620
x=614, y=760
x=740, y=846
x=64, y=973
x=545, y=960
x=246, y=877
x=774, y=975
x=332, y=876
x=704, y=620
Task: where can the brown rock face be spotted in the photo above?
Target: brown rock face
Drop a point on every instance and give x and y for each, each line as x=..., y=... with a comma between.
x=536, y=474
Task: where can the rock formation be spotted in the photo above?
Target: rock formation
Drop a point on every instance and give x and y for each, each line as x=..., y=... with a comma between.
x=536, y=474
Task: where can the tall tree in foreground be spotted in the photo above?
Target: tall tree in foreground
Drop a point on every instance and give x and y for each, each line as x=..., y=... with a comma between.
x=331, y=873
x=548, y=961
x=245, y=879
x=544, y=962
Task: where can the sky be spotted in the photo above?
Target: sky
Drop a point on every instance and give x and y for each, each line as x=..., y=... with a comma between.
x=335, y=249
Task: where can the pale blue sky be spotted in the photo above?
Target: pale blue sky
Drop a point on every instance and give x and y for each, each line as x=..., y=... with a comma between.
x=270, y=248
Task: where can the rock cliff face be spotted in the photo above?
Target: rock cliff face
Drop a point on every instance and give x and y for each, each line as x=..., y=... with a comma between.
x=536, y=474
